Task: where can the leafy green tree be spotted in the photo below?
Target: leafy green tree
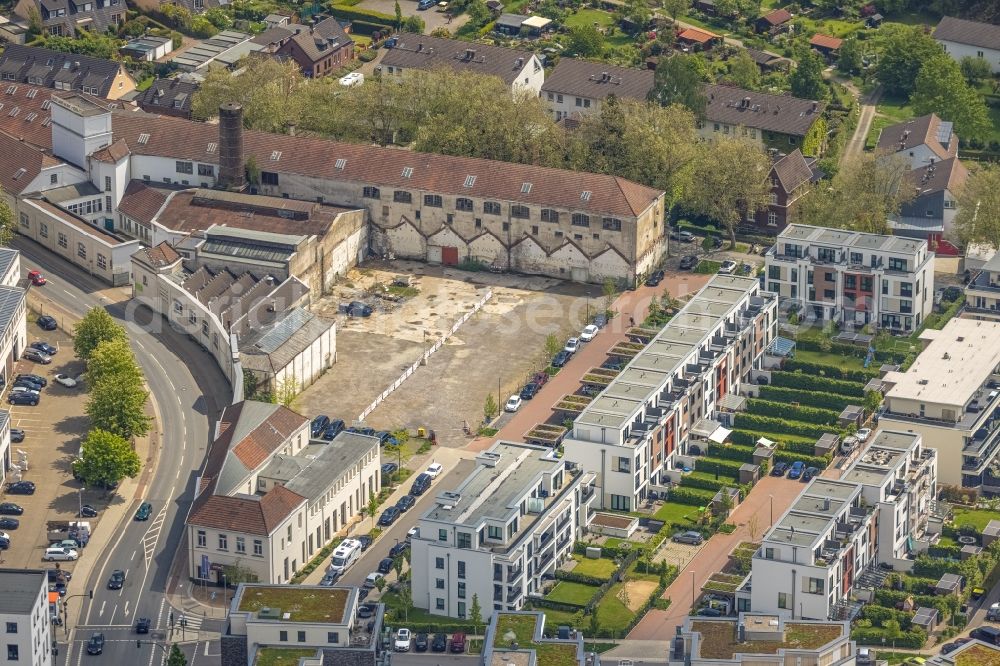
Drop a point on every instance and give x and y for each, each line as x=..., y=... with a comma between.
x=106, y=459
x=202, y=28
x=405, y=599
x=268, y=90
x=96, y=327
x=674, y=8
x=286, y=391
x=86, y=43
x=552, y=345
x=380, y=584
x=413, y=24
x=113, y=361
x=372, y=506
x=807, y=79
x=6, y=221
x=219, y=17
x=730, y=177
x=941, y=88
x=399, y=16
x=978, y=217
x=176, y=657
x=610, y=291
x=490, y=407
x=479, y=13
x=475, y=613
x=119, y=408
x=905, y=50
x=679, y=80
x=586, y=41
x=849, y=60
x=975, y=70
x=742, y=71
x=177, y=17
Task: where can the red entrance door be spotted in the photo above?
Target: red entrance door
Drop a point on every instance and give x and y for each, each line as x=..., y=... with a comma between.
x=449, y=256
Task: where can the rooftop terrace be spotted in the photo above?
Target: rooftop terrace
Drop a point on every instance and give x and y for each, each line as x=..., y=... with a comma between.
x=299, y=603
x=522, y=628
x=719, y=640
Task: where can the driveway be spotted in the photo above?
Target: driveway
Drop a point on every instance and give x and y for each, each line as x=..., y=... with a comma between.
x=433, y=18
x=714, y=554
x=856, y=144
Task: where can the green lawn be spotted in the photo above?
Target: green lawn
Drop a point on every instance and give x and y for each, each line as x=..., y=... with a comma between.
x=896, y=109
x=707, y=267
x=823, y=358
x=601, y=567
x=978, y=518
x=586, y=17
x=673, y=512
x=272, y=656
x=568, y=592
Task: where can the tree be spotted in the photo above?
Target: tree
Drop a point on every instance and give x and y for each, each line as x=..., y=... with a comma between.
x=413, y=24
x=892, y=631
x=202, y=28
x=595, y=625
x=6, y=221
x=119, y=408
x=807, y=79
x=978, y=218
x=476, y=613
x=399, y=16
x=372, y=506
x=286, y=391
x=904, y=51
x=268, y=90
x=405, y=599
x=586, y=41
x=490, y=407
x=849, y=61
x=862, y=196
x=742, y=71
x=678, y=80
x=113, y=361
x=753, y=527
x=176, y=657
x=552, y=345
x=610, y=291
x=177, y=17
x=219, y=18
x=479, y=13
x=940, y=88
x=106, y=459
x=730, y=178
x=96, y=327
x=380, y=583
x=873, y=399
x=675, y=7
x=397, y=566
x=975, y=70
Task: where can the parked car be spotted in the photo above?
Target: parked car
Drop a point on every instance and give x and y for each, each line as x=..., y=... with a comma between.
x=47, y=323
x=865, y=657
x=572, y=345
x=795, y=471
x=690, y=537
x=66, y=380
x=359, y=309
x=440, y=643
x=529, y=391
x=688, y=262
x=365, y=611
x=329, y=578
x=21, y=488
x=10, y=509
x=993, y=614
x=26, y=384
x=426, y=4
x=655, y=278
x=709, y=612
x=588, y=333
x=863, y=434
x=540, y=379
x=848, y=444
x=398, y=549
x=16, y=435
x=385, y=566
x=389, y=468
x=60, y=554
x=142, y=625
x=513, y=403
x=810, y=473
x=36, y=278
x=385, y=437
x=372, y=579
x=600, y=320
x=683, y=236
x=87, y=511
x=420, y=643
x=779, y=469
x=728, y=267
x=458, y=643
x=365, y=541
x=36, y=356
x=977, y=593
x=352, y=79
x=44, y=347
x=420, y=484
x=9, y=523
x=319, y=424
x=144, y=511
x=24, y=398
x=403, y=637
x=96, y=644
x=412, y=533
x=406, y=502
x=560, y=359
x=117, y=580
x=38, y=379
x=434, y=470
x=388, y=516
x=333, y=429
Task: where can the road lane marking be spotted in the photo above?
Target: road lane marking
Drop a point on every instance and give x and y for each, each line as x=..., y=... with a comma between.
x=101, y=612
x=126, y=608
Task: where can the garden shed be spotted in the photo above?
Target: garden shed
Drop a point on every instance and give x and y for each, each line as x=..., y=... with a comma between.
x=749, y=473
x=991, y=532
x=949, y=584
x=828, y=443
x=926, y=618
x=969, y=551
x=852, y=415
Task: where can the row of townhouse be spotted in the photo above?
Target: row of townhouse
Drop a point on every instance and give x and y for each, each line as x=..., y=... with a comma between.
x=877, y=512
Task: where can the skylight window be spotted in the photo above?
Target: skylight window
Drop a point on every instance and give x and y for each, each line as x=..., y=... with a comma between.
x=211, y=147
x=31, y=93
x=143, y=139
x=275, y=155
x=585, y=195
x=525, y=188
x=470, y=181
x=407, y=172
x=340, y=164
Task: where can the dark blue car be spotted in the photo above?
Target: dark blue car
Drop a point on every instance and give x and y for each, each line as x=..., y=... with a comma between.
x=795, y=471
x=319, y=424
x=333, y=429
x=420, y=484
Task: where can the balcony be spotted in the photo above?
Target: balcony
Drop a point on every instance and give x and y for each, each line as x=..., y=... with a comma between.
x=985, y=281
x=513, y=594
x=514, y=575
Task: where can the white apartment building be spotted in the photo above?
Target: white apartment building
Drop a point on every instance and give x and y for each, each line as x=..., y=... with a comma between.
x=852, y=278
x=24, y=614
x=876, y=513
x=576, y=88
x=950, y=396
x=13, y=338
x=982, y=294
x=268, y=619
x=961, y=38
x=270, y=498
x=634, y=427
x=511, y=522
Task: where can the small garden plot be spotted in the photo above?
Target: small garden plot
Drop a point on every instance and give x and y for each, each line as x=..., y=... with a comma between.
x=573, y=403
x=976, y=518
x=634, y=593
x=599, y=376
x=573, y=594
x=545, y=434
x=722, y=582
x=601, y=568
x=625, y=349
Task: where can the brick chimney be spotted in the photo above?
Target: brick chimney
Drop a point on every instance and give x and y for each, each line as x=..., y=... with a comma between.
x=232, y=169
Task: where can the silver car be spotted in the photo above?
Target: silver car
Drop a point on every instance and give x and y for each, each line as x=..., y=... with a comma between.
x=692, y=538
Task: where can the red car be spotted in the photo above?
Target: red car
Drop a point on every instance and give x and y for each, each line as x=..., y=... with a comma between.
x=540, y=378
x=36, y=278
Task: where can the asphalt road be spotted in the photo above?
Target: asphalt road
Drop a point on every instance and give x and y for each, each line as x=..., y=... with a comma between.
x=188, y=390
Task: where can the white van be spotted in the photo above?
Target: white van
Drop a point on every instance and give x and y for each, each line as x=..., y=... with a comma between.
x=346, y=554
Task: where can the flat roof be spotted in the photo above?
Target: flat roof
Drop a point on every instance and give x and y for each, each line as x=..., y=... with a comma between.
x=810, y=517
x=302, y=603
x=855, y=239
x=21, y=590
x=956, y=364
x=719, y=638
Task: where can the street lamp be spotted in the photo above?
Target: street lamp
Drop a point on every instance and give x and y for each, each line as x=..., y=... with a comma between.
x=692, y=588
x=772, y=509
x=89, y=594
x=225, y=591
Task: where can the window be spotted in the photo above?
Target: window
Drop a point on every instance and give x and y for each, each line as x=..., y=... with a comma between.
x=782, y=600
x=24, y=220
x=611, y=224
x=268, y=178
x=283, y=636
x=407, y=172
x=815, y=586
x=463, y=204
x=461, y=590
x=773, y=199
x=439, y=583
x=520, y=212
x=223, y=542
x=439, y=604
x=549, y=215
x=370, y=193
x=491, y=207
x=185, y=167
x=43, y=230
x=621, y=503
x=906, y=307
x=769, y=553
x=439, y=563
x=241, y=545
x=850, y=281
x=442, y=535
x=402, y=196
x=828, y=293
x=580, y=220
x=258, y=547
x=461, y=605
x=12, y=627
x=534, y=230
x=623, y=464
x=81, y=250
x=433, y=200
x=12, y=653
x=102, y=261
x=897, y=264
x=826, y=254
x=906, y=289
x=464, y=540
x=857, y=258
x=332, y=637
x=301, y=636
x=54, y=179
x=494, y=532
x=885, y=288
x=774, y=272
x=461, y=569
x=479, y=223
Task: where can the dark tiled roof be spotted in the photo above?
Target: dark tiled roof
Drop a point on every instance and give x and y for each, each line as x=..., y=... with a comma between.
x=949, y=174
x=762, y=57
x=973, y=33
x=425, y=52
x=142, y=200
x=792, y=170
x=597, y=80
x=320, y=40
x=249, y=515
x=96, y=20
x=826, y=42
x=172, y=94
x=178, y=138
x=763, y=111
x=917, y=132
x=20, y=163
x=51, y=66
x=776, y=17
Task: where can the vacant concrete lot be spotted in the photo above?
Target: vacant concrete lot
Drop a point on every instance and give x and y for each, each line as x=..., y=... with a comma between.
x=502, y=344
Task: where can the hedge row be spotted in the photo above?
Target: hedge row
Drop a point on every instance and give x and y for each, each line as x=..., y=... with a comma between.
x=750, y=437
x=879, y=615
x=802, y=448
x=779, y=425
x=913, y=639
x=744, y=454
x=722, y=466
x=807, y=398
x=810, y=461
x=889, y=599
x=574, y=577
x=705, y=483
x=367, y=28
x=831, y=371
x=367, y=15
x=798, y=380
x=691, y=496
x=849, y=350
x=791, y=412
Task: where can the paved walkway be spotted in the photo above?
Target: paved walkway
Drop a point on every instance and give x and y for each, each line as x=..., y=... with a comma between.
x=633, y=304
x=856, y=145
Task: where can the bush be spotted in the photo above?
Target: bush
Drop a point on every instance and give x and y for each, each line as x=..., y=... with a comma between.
x=691, y=496
x=779, y=425
x=367, y=28
x=913, y=639
x=822, y=384
x=792, y=412
x=831, y=371
x=355, y=13
x=750, y=437
x=744, y=454
x=703, y=483
x=807, y=398
x=720, y=465
x=879, y=615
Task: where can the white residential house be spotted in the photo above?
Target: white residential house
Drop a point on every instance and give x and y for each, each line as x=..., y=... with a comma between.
x=982, y=294
x=506, y=527
x=24, y=614
x=961, y=38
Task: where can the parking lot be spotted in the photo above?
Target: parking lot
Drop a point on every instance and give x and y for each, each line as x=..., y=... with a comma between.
x=53, y=432
x=495, y=350
x=433, y=18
